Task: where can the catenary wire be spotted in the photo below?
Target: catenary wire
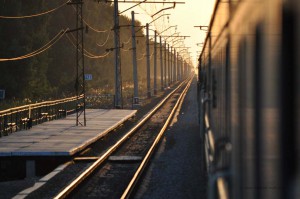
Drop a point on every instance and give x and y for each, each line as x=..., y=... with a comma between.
x=34, y=15
x=142, y=57
x=55, y=39
x=130, y=38
x=94, y=29
x=101, y=45
x=91, y=27
x=87, y=53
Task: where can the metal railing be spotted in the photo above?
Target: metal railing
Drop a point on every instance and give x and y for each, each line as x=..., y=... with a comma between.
x=24, y=117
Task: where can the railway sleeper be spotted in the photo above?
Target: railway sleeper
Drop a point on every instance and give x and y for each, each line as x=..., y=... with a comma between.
x=85, y=159
x=125, y=158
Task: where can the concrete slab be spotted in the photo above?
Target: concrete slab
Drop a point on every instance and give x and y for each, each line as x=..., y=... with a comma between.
x=62, y=137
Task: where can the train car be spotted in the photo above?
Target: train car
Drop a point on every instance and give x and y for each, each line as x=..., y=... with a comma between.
x=249, y=99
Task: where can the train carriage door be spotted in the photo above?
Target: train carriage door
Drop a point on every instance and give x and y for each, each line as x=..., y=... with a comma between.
x=227, y=94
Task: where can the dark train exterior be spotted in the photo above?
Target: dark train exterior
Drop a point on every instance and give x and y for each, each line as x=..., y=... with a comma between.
x=249, y=99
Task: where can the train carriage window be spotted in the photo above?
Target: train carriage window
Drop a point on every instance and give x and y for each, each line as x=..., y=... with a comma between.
x=227, y=90
x=242, y=77
x=288, y=100
x=257, y=107
x=241, y=136
x=214, y=88
x=226, y=103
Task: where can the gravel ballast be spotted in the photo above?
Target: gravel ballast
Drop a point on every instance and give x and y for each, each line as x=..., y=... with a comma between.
x=175, y=171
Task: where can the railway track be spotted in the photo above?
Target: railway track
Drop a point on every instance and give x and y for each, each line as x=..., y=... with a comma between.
x=117, y=171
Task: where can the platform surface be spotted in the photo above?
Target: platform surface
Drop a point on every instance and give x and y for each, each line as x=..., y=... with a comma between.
x=62, y=137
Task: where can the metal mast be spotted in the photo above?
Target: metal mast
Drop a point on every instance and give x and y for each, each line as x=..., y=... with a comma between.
x=161, y=65
x=118, y=80
x=80, y=80
x=155, y=62
x=134, y=62
x=148, y=61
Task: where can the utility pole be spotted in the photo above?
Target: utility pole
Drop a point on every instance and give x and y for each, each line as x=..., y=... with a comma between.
x=181, y=68
x=148, y=61
x=134, y=62
x=174, y=66
x=161, y=66
x=118, y=78
x=165, y=65
x=185, y=69
x=171, y=66
x=155, y=63
x=168, y=83
x=178, y=66
x=80, y=74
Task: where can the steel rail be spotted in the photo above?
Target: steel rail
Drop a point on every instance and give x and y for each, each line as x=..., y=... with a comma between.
x=67, y=190
x=134, y=180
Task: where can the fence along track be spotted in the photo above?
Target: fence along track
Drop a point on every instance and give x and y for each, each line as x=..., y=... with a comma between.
x=18, y=118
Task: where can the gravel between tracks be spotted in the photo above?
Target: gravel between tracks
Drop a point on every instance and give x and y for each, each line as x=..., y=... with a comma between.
x=175, y=171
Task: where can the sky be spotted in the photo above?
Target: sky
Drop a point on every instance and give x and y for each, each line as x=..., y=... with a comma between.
x=185, y=16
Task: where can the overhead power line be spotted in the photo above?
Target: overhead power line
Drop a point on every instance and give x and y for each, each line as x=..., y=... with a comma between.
x=87, y=53
x=94, y=29
x=34, y=15
x=125, y=50
x=129, y=40
x=103, y=44
x=142, y=57
x=151, y=55
x=55, y=39
x=97, y=56
x=91, y=27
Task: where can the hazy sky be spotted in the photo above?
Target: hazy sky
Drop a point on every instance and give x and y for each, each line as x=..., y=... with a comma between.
x=185, y=16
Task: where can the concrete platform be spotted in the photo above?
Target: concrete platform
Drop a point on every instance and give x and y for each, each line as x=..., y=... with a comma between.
x=62, y=137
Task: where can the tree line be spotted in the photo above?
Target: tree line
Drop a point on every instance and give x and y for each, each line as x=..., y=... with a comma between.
x=51, y=74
